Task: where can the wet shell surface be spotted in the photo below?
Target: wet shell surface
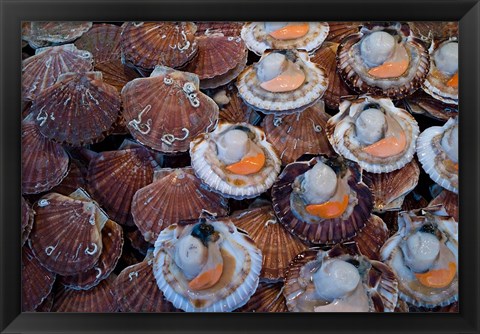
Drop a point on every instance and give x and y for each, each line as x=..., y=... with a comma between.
x=39, y=33
x=310, y=91
x=148, y=44
x=352, y=132
x=177, y=194
x=241, y=263
x=259, y=40
x=27, y=220
x=449, y=201
x=79, y=109
x=300, y=133
x=267, y=298
x=167, y=110
x=424, y=104
x=214, y=173
x=44, y=68
x=44, y=162
x=226, y=28
x=232, y=107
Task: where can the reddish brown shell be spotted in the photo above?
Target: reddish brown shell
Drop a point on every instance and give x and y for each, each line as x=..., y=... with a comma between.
x=65, y=237
x=79, y=109
x=339, y=30
x=44, y=162
x=138, y=241
x=27, y=220
x=267, y=298
x=429, y=30
x=372, y=237
x=44, y=68
x=226, y=28
x=449, y=201
x=424, y=104
x=232, y=107
x=147, y=44
x=37, y=281
x=300, y=133
x=112, y=241
x=101, y=298
x=412, y=201
x=177, y=195
x=46, y=32
x=115, y=176
x=277, y=245
x=76, y=178
x=46, y=305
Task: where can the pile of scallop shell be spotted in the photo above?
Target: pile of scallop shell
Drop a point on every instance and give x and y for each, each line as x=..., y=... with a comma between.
x=248, y=167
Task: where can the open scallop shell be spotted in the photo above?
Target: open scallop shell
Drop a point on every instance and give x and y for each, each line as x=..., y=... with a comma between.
x=307, y=94
x=449, y=201
x=355, y=72
x=339, y=30
x=258, y=40
x=27, y=220
x=342, y=135
x=232, y=107
x=424, y=104
x=242, y=263
x=148, y=44
x=212, y=171
x=167, y=110
x=296, y=134
x=267, y=298
x=316, y=230
x=79, y=109
x=177, y=194
x=42, y=33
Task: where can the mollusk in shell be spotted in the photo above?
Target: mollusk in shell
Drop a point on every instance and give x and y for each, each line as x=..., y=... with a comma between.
x=206, y=266
x=424, y=256
x=167, y=110
x=27, y=220
x=374, y=133
x=40, y=33
x=322, y=201
x=235, y=160
x=282, y=82
x=383, y=60
x=335, y=281
x=260, y=36
x=437, y=150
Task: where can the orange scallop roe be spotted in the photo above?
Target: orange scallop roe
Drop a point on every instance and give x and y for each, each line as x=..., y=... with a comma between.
x=206, y=279
x=453, y=81
x=328, y=210
x=285, y=82
x=387, y=147
x=291, y=31
x=389, y=69
x=438, y=278
x=248, y=165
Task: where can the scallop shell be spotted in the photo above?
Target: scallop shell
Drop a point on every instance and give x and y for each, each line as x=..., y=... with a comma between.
x=44, y=68
x=424, y=104
x=112, y=242
x=429, y=30
x=355, y=73
x=65, y=236
x=137, y=241
x=452, y=308
x=79, y=109
x=449, y=201
x=44, y=162
x=212, y=171
x=232, y=107
x=339, y=30
x=226, y=28
x=341, y=134
x=176, y=195
x=240, y=276
x=296, y=134
x=267, y=298
x=46, y=305
x=100, y=298
x=115, y=176
x=277, y=245
x=372, y=237
x=147, y=44
x=76, y=178
x=167, y=110
x=309, y=93
x=326, y=231
x=432, y=156
x=40, y=33
x=37, y=282
x=390, y=189
x=258, y=40
x=27, y=220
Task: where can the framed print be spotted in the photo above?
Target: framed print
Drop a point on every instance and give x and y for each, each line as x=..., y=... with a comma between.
x=254, y=167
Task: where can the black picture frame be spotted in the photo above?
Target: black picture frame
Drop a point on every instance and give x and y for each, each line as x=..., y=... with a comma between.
x=15, y=11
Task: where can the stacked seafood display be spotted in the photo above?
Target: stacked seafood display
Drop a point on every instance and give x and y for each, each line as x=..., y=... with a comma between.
x=246, y=167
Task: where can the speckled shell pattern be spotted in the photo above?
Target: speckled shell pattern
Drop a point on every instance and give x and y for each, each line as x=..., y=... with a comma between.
x=267, y=298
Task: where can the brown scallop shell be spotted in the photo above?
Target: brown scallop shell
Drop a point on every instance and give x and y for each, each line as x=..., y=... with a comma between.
x=235, y=110
x=370, y=240
x=268, y=298
x=100, y=298
x=44, y=162
x=79, y=109
x=325, y=57
x=136, y=290
x=37, y=281
x=167, y=110
x=226, y=28
x=112, y=241
x=44, y=68
x=147, y=44
x=27, y=220
x=65, y=236
x=412, y=201
x=389, y=189
x=339, y=30
x=46, y=305
x=137, y=241
x=115, y=176
x=76, y=178
x=58, y=32
x=429, y=30
x=296, y=134
x=424, y=104
x=277, y=245
x=176, y=195
x=449, y=201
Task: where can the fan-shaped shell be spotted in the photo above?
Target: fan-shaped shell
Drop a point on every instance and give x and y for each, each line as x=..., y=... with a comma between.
x=44, y=68
x=226, y=28
x=277, y=245
x=339, y=30
x=137, y=241
x=232, y=107
x=430, y=30
x=54, y=31
x=37, y=281
x=44, y=162
x=79, y=109
x=65, y=236
x=372, y=237
x=27, y=220
x=177, y=195
x=422, y=103
x=449, y=201
x=167, y=110
x=296, y=134
x=267, y=298
x=76, y=178
x=147, y=44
